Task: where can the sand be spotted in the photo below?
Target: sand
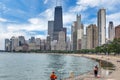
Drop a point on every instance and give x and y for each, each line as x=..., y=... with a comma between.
x=103, y=74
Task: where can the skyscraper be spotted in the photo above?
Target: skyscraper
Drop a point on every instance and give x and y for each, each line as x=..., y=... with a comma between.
x=65, y=31
x=74, y=36
x=80, y=32
x=92, y=36
x=61, y=44
x=48, y=42
x=77, y=32
x=50, y=29
x=117, y=31
x=101, y=23
x=7, y=45
x=14, y=43
x=38, y=43
x=111, y=31
x=58, y=22
x=84, y=42
x=55, y=28
x=21, y=40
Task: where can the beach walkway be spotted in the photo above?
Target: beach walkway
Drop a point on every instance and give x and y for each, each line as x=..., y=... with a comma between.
x=115, y=75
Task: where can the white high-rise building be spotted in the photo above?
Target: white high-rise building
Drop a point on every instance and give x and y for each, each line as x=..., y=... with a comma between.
x=111, y=31
x=68, y=43
x=61, y=44
x=53, y=44
x=32, y=46
x=80, y=32
x=101, y=23
x=77, y=32
x=84, y=42
x=38, y=42
x=14, y=43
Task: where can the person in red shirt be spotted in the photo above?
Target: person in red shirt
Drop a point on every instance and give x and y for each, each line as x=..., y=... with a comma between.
x=53, y=76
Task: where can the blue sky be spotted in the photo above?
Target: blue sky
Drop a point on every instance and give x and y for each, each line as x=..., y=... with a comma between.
x=30, y=17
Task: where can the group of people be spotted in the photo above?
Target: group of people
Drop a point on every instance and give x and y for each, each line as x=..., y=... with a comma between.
x=54, y=77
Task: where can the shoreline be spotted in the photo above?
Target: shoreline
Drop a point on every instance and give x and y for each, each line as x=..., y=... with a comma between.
x=114, y=75
x=90, y=76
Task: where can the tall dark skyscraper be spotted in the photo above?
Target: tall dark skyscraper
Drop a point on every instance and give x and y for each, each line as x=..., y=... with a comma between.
x=58, y=22
x=56, y=31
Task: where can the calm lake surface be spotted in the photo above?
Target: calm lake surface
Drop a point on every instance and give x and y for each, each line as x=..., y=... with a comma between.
x=17, y=66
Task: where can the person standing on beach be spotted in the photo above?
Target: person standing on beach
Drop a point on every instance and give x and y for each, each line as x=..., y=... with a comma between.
x=96, y=71
x=53, y=76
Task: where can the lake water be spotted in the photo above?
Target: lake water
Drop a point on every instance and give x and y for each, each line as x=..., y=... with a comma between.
x=17, y=66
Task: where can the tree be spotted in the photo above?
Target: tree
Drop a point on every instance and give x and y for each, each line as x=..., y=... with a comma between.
x=116, y=45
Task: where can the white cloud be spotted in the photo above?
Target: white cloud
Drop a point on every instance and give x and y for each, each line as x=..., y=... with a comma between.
x=114, y=17
x=48, y=14
x=88, y=3
x=3, y=8
x=45, y=1
x=68, y=18
x=34, y=20
x=82, y=5
x=3, y=20
x=77, y=9
x=35, y=24
x=108, y=4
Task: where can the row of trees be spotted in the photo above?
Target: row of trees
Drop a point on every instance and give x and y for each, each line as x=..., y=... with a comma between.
x=108, y=48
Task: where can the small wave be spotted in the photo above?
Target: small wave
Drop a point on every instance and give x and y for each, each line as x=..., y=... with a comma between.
x=4, y=76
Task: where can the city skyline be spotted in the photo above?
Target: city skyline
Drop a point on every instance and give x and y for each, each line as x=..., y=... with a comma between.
x=30, y=19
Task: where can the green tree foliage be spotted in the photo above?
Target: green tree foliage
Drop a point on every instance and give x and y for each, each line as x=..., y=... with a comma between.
x=111, y=47
x=116, y=46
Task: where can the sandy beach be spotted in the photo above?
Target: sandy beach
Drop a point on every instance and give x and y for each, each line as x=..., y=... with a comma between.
x=104, y=74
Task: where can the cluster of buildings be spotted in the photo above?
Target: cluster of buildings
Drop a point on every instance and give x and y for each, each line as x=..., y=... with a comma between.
x=56, y=39
x=94, y=36
x=20, y=44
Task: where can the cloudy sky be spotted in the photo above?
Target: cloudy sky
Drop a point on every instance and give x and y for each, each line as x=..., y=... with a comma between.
x=30, y=17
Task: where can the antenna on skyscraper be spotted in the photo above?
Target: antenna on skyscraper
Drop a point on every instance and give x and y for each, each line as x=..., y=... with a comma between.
x=58, y=2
